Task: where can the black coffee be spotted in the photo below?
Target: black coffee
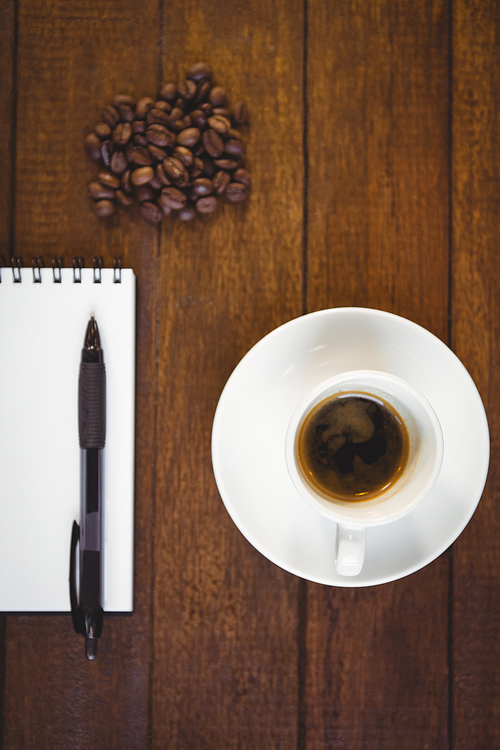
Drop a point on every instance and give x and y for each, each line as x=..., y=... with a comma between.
x=352, y=446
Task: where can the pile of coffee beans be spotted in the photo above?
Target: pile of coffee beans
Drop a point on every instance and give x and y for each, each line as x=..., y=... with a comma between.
x=182, y=153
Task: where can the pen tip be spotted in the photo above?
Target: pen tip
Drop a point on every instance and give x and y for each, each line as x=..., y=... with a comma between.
x=91, y=648
x=92, y=339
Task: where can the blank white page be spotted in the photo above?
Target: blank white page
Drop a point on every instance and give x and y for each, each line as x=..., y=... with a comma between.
x=42, y=329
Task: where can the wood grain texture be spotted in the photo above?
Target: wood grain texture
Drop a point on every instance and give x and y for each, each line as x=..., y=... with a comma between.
x=475, y=338
x=377, y=236
x=7, y=84
x=377, y=106
x=72, y=59
x=225, y=622
x=7, y=107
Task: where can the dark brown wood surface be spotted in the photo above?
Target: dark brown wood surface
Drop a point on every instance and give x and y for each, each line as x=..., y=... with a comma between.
x=375, y=156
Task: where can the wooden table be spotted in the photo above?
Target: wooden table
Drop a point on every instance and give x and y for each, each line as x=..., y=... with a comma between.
x=374, y=148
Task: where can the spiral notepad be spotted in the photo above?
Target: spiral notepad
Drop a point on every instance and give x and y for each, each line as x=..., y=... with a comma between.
x=43, y=317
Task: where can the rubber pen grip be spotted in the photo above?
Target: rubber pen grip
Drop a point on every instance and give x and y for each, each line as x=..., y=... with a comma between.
x=92, y=405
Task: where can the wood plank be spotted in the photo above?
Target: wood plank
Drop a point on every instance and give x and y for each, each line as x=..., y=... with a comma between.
x=377, y=103
x=72, y=59
x=7, y=87
x=475, y=338
x=225, y=625
x=7, y=94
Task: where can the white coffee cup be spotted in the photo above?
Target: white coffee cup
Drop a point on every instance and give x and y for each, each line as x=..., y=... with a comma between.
x=422, y=468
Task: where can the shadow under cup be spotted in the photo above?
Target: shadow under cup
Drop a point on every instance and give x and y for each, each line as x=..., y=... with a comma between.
x=424, y=461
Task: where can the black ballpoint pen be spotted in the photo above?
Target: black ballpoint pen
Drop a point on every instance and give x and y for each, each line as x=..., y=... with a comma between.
x=86, y=608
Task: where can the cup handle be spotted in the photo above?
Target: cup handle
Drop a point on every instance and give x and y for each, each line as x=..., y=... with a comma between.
x=351, y=549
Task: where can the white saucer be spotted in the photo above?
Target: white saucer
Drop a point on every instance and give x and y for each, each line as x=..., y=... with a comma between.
x=257, y=403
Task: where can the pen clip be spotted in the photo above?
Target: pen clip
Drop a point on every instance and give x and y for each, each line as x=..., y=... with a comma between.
x=76, y=613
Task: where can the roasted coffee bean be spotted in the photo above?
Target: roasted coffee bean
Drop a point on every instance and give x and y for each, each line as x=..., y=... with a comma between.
x=234, y=147
x=220, y=182
x=197, y=168
x=151, y=212
x=163, y=205
x=202, y=186
x=222, y=111
x=202, y=91
x=169, y=92
x=102, y=130
x=173, y=198
x=227, y=164
x=184, y=155
x=161, y=176
x=140, y=140
x=124, y=199
x=207, y=204
x=160, y=136
x=207, y=108
x=126, y=112
x=240, y=113
x=142, y=176
x=127, y=151
x=187, y=213
x=125, y=183
x=175, y=169
x=92, y=144
x=219, y=123
x=156, y=184
x=107, y=151
x=187, y=90
x=188, y=137
x=218, y=96
x=122, y=133
x=161, y=104
x=158, y=116
x=176, y=114
x=145, y=193
x=120, y=99
x=98, y=192
x=233, y=133
x=140, y=156
x=213, y=143
x=118, y=163
x=178, y=126
x=139, y=127
x=200, y=70
x=104, y=208
x=241, y=175
x=208, y=166
x=157, y=153
x=198, y=118
x=236, y=192
x=109, y=180
x=142, y=107
x=110, y=116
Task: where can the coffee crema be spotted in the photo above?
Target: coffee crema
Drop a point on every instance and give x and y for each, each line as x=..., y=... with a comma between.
x=352, y=446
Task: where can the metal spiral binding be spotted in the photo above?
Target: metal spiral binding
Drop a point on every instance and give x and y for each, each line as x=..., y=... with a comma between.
x=57, y=264
x=37, y=264
x=97, y=265
x=17, y=264
x=117, y=270
x=78, y=264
